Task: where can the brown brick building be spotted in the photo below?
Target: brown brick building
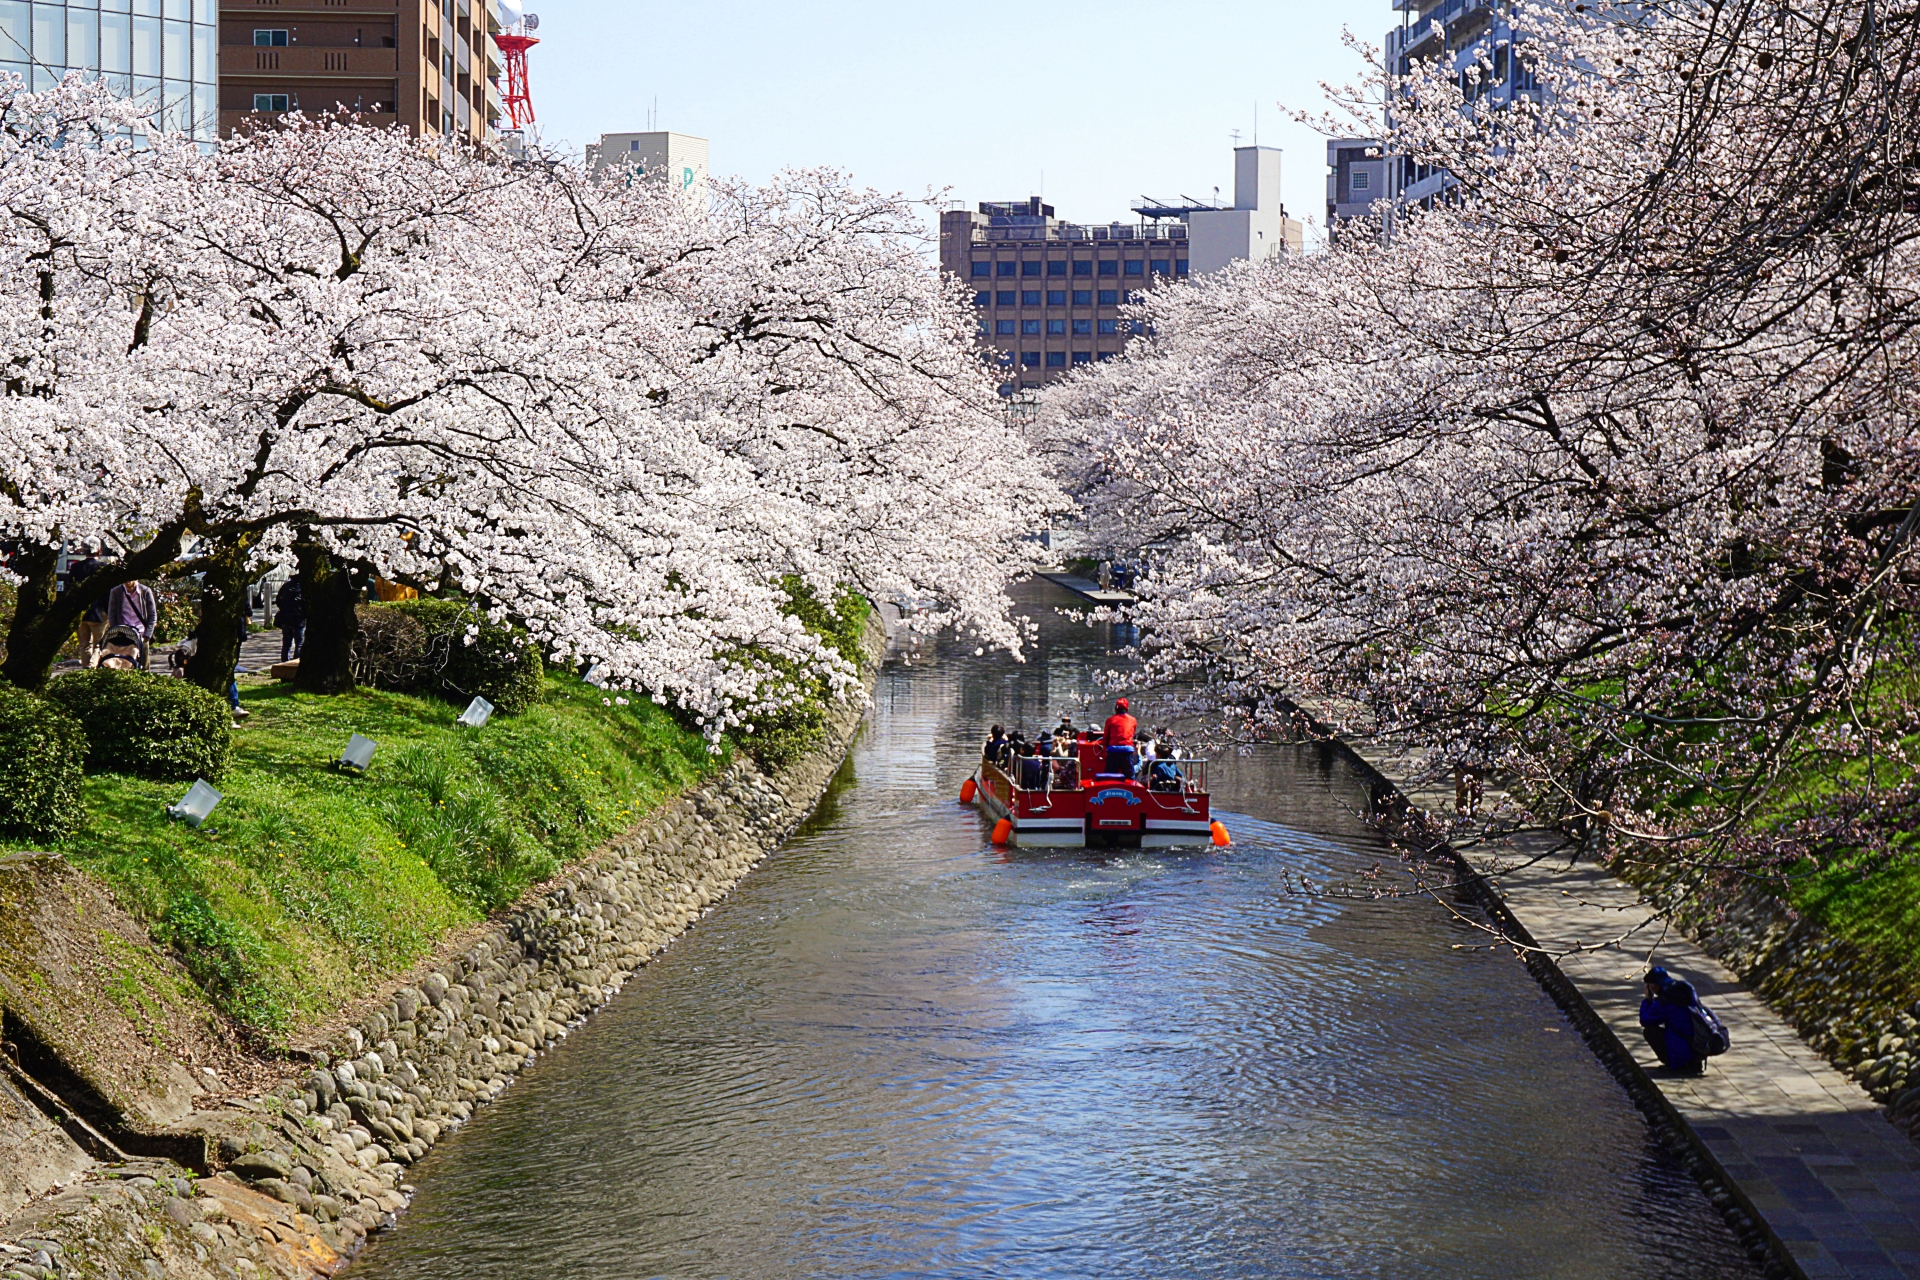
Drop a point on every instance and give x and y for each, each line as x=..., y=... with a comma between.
x=430, y=65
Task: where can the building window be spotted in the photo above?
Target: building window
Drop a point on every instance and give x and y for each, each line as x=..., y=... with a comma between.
x=1109, y=268
x=1030, y=268
x=982, y=298
x=1029, y=326
x=985, y=328
x=1056, y=268
x=1056, y=359
x=1083, y=326
x=1135, y=267
x=1031, y=359
x=1109, y=326
x=1029, y=297
x=1005, y=298
x=270, y=102
x=1083, y=268
x=1083, y=297
x=1103, y=355
x=1109, y=297
x=269, y=38
x=1057, y=327
x=1160, y=266
x=1056, y=297
x=1004, y=328
x=1361, y=180
x=1083, y=357
x=1179, y=266
x=1009, y=268
x=982, y=269
x=1006, y=388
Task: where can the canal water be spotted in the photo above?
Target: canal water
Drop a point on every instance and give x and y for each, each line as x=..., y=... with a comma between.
x=895, y=1051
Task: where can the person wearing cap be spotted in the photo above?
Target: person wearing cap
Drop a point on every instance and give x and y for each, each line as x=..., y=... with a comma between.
x=1666, y=1019
x=1120, y=731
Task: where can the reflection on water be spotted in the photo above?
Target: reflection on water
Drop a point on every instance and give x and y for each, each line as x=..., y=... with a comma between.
x=897, y=1052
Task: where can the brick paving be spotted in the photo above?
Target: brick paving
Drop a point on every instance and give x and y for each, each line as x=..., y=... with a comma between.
x=1803, y=1145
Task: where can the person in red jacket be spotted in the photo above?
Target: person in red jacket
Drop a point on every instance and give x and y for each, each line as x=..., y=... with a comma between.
x=1120, y=731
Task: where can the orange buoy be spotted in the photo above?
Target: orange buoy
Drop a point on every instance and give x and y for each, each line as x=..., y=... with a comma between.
x=1002, y=831
x=1220, y=836
x=967, y=790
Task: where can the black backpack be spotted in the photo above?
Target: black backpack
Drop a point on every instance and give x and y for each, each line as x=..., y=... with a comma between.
x=1709, y=1034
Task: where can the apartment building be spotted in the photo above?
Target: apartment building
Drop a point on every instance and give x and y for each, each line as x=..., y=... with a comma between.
x=1357, y=177
x=429, y=65
x=164, y=53
x=1049, y=292
x=1453, y=34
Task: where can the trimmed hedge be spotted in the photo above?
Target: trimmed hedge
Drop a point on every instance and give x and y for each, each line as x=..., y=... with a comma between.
x=151, y=726
x=420, y=646
x=41, y=750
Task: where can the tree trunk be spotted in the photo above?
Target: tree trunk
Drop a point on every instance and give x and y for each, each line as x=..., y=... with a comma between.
x=43, y=621
x=327, y=585
x=223, y=603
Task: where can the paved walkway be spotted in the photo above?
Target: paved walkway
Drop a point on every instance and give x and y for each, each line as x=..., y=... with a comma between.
x=1806, y=1150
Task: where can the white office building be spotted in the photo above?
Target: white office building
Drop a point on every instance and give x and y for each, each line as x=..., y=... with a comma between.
x=681, y=157
x=163, y=52
x=1255, y=228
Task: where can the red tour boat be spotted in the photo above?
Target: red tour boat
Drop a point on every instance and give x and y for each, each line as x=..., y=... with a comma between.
x=1068, y=802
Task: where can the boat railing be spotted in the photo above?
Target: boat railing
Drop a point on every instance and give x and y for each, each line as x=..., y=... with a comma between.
x=1031, y=773
x=1185, y=776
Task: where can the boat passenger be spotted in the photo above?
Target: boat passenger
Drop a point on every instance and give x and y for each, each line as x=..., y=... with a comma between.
x=1033, y=770
x=996, y=747
x=1148, y=748
x=1120, y=731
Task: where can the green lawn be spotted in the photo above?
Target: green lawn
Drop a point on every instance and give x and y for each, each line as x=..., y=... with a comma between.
x=308, y=886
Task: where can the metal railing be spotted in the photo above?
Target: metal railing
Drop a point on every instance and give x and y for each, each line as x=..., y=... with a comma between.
x=1185, y=776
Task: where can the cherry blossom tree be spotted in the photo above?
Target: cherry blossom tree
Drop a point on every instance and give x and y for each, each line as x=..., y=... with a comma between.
x=615, y=419
x=1602, y=473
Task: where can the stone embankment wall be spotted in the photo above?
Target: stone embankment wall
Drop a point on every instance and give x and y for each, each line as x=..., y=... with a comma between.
x=298, y=1176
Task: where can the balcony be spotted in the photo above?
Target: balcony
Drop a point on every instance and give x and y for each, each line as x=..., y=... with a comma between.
x=244, y=60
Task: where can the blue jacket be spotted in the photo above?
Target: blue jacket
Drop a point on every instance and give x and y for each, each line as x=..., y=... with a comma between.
x=1669, y=1020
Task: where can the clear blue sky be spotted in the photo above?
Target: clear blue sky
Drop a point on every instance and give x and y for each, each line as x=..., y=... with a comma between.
x=1108, y=101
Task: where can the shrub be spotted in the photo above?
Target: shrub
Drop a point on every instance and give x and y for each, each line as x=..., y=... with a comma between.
x=41, y=749
x=148, y=725
x=390, y=649
x=420, y=646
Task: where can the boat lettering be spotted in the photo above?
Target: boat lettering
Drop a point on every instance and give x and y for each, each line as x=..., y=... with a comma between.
x=1115, y=793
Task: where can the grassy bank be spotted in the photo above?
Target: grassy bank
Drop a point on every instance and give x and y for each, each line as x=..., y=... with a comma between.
x=308, y=885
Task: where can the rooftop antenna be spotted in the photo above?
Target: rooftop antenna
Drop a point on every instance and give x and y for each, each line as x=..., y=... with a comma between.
x=1236, y=136
x=1256, y=122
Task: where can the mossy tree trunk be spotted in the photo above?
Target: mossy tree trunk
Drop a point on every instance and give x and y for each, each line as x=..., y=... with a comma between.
x=331, y=590
x=223, y=603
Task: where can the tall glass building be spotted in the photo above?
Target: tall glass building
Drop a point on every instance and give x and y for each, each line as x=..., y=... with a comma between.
x=163, y=52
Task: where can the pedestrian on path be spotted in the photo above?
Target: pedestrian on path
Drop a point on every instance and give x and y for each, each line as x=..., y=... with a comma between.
x=290, y=609
x=1667, y=1019
x=132, y=605
x=93, y=624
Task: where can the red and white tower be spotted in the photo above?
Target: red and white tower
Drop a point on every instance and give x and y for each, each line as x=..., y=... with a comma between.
x=513, y=45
